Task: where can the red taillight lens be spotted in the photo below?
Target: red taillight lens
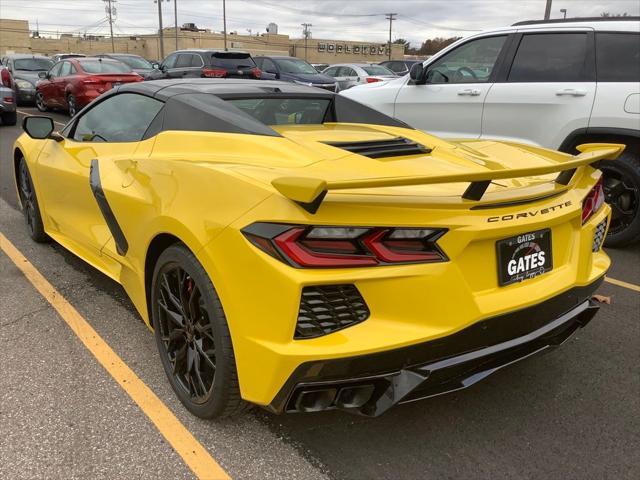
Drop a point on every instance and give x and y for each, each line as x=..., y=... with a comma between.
x=5, y=77
x=593, y=201
x=372, y=79
x=214, y=72
x=339, y=247
x=256, y=72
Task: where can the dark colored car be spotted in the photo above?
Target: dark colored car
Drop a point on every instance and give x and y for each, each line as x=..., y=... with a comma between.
x=399, y=67
x=25, y=70
x=73, y=83
x=296, y=70
x=142, y=67
x=209, y=64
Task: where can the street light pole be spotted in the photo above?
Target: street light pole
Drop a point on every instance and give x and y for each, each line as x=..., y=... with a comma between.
x=564, y=11
x=306, y=37
x=547, y=10
x=160, y=36
x=175, y=14
x=224, y=22
x=391, y=17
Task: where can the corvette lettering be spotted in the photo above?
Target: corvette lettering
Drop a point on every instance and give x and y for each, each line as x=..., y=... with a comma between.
x=530, y=213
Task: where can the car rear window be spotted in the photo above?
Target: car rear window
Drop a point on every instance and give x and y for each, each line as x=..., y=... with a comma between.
x=618, y=57
x=100, y=66
x=135, y=62
x=32, y=64
x=284, y=111
x=377, y=70
x=232, y=60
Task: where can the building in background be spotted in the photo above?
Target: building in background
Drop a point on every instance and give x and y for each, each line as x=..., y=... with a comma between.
x=15, y=37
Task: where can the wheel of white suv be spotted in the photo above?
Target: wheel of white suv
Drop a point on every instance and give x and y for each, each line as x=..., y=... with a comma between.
x=622, y=193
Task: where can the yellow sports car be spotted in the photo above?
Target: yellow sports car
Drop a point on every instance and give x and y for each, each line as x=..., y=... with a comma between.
x=294, y=249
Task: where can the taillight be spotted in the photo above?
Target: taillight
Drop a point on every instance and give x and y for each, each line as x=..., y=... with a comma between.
x=337, y=247
x=593, y=201
x=372, y=79
x=256, y=72
x=214, y=72
x=91, y=81
x=5, y=77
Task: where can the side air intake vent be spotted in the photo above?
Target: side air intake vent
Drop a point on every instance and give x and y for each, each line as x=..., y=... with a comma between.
x=395, y=147
x=327, y=308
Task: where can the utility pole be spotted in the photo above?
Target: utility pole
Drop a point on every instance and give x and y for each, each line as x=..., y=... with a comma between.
x=110, y=12
x=160, y=36
x=391, y=17
x=547, y=10
x=224, y=23
x=564, y=11
x=175, y=15
x=306, y=32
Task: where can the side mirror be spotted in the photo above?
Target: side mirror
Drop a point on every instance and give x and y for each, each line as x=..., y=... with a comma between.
x=156, y=65
x=43, y=75
x=417, y=73
x=40, y=128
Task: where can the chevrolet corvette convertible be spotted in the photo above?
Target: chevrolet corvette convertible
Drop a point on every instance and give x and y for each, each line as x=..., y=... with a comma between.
x=294, y=249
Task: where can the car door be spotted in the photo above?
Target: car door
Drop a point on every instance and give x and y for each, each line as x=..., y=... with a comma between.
x=269, y=69
x=60, y=83
x=47, y=86
x=168, y=65
x=448, y=100
x=350, y=76
x=108, y=132
x=547, y=93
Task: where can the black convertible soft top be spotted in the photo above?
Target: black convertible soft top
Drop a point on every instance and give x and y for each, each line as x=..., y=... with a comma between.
x=200, y=104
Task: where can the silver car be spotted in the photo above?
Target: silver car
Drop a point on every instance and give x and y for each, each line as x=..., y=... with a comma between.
x=7, y=98
x=348, y=75
x=25, y=70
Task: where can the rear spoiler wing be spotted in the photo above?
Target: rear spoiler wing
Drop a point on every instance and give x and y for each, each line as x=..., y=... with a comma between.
x=309, y=192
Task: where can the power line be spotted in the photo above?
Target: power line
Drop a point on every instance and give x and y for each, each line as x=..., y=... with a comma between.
x=391, y=17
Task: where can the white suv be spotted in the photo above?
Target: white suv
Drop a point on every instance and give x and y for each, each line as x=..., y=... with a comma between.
x=555, y=84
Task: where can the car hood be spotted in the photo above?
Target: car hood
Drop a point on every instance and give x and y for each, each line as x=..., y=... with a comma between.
x=316, y=78
x=29, y=76
x=446, y=157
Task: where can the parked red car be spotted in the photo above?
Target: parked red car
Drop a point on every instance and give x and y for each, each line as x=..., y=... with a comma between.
x=73, y=83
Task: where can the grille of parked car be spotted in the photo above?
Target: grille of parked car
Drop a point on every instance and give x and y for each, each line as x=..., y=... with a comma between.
x=394, y=147
x=327, y=308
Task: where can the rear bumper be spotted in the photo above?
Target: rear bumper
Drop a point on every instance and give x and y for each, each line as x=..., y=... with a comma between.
x=371, y=384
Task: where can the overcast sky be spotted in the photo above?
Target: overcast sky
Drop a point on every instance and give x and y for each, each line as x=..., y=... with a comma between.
x=331, y=19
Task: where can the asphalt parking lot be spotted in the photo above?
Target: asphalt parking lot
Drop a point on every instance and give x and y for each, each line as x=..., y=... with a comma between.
x=571, y=414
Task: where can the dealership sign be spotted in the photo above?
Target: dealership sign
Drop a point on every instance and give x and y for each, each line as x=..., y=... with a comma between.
x=357, y=49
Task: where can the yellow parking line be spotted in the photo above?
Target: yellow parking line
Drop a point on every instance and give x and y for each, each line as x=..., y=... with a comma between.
x=194, y=455
x=620, y=283
x=29, y=115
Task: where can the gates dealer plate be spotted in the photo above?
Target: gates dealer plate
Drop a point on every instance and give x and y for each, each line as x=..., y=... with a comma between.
x=523, y=257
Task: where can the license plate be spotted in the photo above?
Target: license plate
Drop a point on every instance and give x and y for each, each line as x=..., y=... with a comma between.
x=524, y=257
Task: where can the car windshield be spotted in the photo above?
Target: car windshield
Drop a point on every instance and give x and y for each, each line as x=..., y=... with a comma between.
x=294, y=65
x=135, y=62
x=284, y=111
x=377, y=70
x=100, y=66
x=232, y=60
x=32, y=64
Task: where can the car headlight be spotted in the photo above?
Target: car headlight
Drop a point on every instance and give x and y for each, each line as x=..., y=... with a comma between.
x=24, y=85
x=303, y=83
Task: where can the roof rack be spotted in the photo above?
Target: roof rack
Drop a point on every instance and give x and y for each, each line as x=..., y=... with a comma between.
x=578, y=19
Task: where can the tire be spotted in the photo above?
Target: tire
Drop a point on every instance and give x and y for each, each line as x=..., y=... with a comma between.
x=192, y=335
x=40, y=103
x=9, y=118
x=622, y=193
x=30, y=206
x=72, y=106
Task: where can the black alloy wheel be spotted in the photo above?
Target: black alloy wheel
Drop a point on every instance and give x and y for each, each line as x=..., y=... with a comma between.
x=30, y=204
x=40, y=103
x=621, y=183
x=72, y=106
x=193, y=337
